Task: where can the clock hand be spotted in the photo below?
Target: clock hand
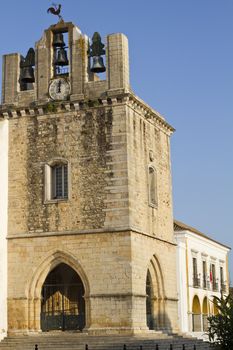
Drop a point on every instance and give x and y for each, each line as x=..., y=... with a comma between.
x=59, y=87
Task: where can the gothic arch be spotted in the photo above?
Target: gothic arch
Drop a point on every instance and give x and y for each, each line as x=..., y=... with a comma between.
x=34, y=287
x=157, y=275
x=157, y=295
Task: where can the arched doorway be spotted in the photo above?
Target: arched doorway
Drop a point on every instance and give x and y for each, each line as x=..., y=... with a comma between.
x=205, y=314
x=62, y=301
x=196, y=314
x=155, y=303
x=149, y=302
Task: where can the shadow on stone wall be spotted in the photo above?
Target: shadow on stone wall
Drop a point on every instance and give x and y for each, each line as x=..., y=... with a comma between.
x=161, y=323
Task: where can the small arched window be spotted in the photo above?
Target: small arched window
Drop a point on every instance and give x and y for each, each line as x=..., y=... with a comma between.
x=152, y=187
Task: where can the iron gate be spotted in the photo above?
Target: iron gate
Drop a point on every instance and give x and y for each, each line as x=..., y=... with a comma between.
x=62, y=307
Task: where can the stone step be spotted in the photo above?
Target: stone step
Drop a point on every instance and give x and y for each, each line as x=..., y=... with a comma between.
x=71, y=341
x=82, y=347
x=104, y=346
x=99, y=345
x=74, y=346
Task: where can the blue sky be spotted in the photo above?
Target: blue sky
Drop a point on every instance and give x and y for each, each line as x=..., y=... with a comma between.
x=181, y=56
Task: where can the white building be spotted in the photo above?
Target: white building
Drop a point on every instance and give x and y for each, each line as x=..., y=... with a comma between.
x=202, y=273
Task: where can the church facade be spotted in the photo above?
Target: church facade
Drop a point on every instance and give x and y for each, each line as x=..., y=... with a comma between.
x=86, y=198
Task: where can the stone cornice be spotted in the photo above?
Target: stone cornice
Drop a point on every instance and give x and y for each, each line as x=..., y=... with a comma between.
x=12, y=112
x=149, y=113
x=111, y=99
x=108, y=230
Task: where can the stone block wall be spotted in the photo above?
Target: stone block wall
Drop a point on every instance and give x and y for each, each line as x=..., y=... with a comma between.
x=117, y=62
x=106, y=225
x=102, y=260
x=146, y=256
x=10, y=78
x=3, y=224
x=113, y=268
x=149, y=145
x=94, y=144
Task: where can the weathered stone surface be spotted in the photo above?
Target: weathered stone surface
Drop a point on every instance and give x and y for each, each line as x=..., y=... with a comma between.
x=106, y=230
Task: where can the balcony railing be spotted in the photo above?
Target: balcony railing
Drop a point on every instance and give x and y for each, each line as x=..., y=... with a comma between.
x=206, y=284
x=196, y=282
x=215, y=286
x=223, y=287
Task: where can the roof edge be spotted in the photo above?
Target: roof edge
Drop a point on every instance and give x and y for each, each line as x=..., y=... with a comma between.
x=180, y=226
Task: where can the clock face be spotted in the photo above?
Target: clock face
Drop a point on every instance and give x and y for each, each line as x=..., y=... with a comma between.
x=59, y=89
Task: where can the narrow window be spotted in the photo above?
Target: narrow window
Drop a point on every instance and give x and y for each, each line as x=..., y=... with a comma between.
x=204, y=272
x=213, y=273
x=59, y=181
x=152, y=187
x=194, y=267
x=213, y=278
x=196, y=280
x=222, y=282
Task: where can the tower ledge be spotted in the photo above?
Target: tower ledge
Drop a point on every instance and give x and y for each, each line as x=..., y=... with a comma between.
x=36, y=109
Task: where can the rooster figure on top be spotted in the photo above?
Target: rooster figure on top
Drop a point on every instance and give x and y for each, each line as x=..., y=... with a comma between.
x=55, y=10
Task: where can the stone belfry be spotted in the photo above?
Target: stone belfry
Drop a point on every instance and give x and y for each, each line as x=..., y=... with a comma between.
x=89, y=223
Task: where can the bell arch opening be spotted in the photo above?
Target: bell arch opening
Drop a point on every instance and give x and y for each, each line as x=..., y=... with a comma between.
x=62, y=300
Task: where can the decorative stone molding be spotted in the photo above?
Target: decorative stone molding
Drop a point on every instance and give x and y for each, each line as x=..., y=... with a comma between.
x=132, y=100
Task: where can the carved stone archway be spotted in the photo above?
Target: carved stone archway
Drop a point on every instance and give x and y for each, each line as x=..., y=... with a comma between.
x=63, y=303
x=38, y=278
x=155, y=304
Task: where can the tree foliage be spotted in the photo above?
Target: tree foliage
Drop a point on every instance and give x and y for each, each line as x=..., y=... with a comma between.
x=220, y=330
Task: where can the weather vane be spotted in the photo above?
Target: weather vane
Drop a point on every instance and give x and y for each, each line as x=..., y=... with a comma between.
x=55, y=10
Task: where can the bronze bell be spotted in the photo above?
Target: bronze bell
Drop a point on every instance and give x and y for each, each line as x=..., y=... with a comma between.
x=61, y=59
x=58, y=40
x=98, y=65
x=27, y=75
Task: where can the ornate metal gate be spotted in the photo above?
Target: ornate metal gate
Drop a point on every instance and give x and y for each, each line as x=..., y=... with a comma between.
x=62, y=306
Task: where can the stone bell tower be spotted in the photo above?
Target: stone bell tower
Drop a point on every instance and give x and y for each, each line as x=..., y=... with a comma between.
x=24, y=87
x=89, y=222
